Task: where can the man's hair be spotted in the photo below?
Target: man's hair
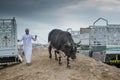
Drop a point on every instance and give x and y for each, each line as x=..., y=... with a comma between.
x=26, y=29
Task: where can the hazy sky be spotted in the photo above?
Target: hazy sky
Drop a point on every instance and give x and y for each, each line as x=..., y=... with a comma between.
x=41, y=16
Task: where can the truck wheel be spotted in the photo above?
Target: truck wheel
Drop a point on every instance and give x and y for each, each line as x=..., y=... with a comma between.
x=90, y=53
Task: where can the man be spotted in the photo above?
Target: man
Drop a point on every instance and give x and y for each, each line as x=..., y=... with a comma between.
x=27, y=45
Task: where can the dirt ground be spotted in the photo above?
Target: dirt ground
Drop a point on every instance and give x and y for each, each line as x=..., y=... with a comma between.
x=43, y=68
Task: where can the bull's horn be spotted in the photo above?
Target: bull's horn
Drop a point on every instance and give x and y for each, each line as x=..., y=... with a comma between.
x=78, y=42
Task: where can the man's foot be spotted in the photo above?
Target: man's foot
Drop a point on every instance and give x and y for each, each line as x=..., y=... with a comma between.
x=28, y=64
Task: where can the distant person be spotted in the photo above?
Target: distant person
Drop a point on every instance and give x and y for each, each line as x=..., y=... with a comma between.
x=27, y=45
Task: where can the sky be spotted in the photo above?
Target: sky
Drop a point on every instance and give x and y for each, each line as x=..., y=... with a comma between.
x=41, y=16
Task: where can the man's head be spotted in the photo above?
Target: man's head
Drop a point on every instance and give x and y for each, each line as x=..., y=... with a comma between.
x=27, y=31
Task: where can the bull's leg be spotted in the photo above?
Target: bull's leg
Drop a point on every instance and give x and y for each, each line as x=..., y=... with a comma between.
x=50, y=55
x=59, y=58
x=68, y=63
x=56, y=55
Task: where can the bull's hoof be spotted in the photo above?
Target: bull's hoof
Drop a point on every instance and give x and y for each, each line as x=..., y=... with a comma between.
x=68, y=66
x=60, y=63
x=50, y=57
x=56, y=59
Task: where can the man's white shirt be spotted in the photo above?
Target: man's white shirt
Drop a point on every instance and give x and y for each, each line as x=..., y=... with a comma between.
x=27, y=40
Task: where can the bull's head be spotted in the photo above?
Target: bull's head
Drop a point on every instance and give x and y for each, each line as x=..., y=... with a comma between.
x=71, y=49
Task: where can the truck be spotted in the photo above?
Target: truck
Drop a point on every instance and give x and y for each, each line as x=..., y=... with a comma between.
x=104, y=42
x=8, y=42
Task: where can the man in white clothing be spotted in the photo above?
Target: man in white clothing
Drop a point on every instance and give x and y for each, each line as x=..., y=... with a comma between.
x=27, y=45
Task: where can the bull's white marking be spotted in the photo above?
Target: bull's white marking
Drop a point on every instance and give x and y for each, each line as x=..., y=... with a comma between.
x=61, y=53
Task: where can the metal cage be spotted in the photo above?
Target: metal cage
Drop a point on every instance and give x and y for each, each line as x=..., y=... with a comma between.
x=8, y=42
x=105, y=42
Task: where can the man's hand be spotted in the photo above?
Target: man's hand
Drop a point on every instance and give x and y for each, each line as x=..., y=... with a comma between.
x=18, y=40
x=35, y=36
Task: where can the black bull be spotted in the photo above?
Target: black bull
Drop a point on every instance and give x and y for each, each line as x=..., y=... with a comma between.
x=62, y=41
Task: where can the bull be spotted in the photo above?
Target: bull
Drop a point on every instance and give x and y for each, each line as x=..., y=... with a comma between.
x=62, y=41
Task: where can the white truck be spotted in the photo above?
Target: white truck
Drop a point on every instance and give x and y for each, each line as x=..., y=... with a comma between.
x=8, y=42
x=104, y=42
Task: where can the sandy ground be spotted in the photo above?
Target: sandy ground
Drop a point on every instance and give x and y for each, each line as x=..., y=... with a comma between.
x=43, y=68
